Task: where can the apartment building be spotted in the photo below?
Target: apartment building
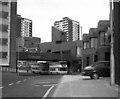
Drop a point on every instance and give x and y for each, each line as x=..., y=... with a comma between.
x=96, y=46
x=69, y=26
x=8, y=23
x=24, y=26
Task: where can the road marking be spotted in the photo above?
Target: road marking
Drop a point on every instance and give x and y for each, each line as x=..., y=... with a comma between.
x=48, y=91
x=10, y=84
x=18, y=82
x=1, y=87
x=49, y=85
x=43, y=82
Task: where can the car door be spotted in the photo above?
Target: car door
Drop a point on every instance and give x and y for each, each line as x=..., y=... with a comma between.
x=107, y=69
x=100, y=68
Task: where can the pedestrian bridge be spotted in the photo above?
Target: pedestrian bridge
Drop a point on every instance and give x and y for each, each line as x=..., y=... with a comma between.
x=45, y=56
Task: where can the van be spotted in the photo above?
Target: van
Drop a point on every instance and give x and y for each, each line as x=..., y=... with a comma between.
x=36, y=69
x=97, y=69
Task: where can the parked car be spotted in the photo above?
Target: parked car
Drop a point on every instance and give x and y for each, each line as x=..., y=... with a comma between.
x=36, y=69
x=98, y=69
x=23, y=70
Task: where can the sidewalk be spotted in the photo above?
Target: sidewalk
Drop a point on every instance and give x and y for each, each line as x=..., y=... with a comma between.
x=81, y=86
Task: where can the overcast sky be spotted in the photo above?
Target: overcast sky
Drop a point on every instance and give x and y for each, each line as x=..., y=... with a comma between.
x=44, y=13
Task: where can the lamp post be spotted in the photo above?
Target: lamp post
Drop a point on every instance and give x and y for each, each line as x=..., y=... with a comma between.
x=81, y=48
x=17, y=54
x=112, y=69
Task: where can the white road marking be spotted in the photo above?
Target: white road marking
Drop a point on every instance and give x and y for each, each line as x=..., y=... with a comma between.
x=1, y=87
x=49, y=85
x=18, y=82
x=43, y=82
x=48, y=91
x=11, y=84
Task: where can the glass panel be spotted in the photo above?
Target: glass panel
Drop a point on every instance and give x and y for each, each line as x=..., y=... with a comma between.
x=102, y=38
x=4, y=41
x=4, y=28
x=3, y=14
x=96, y=43
x=92, y=42
x=4, y=54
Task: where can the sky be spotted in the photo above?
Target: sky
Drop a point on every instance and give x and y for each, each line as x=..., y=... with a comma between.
x=44, y=13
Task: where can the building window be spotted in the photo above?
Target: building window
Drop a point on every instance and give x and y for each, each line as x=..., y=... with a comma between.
x=84, y=45
x=107, y=56
x=4, y=55
x=3, y=14
x=95, y=58
x=5, y=3
x=88, y=59
x=4, y=28
x=0, y=55
x=0, y=41
x=94, y=42
x=103, y=38
x=4, y=41
x=87, y=45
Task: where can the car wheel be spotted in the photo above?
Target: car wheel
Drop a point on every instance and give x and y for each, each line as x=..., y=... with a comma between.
x=95, y=76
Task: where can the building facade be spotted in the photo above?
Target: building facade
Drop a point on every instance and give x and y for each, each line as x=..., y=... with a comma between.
x=8, y=23
x=96, y=46
x=65, y=51
x=58, y=35
x=116, y=49
x=69, y=26
x=24, y=27
x=27, y=44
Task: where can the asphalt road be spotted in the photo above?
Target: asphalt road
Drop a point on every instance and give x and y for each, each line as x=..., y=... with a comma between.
x=29, y=85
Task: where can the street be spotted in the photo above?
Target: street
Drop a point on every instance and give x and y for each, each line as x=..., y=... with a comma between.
x=43, y=86
x=30, y=85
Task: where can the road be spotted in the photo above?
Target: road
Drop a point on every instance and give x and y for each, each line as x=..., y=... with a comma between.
x=43, y=86
x=28, y=85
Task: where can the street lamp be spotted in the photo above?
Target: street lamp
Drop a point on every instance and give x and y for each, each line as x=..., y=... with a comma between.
x=112, y=69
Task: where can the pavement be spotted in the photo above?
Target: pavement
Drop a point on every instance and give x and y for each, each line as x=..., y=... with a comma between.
x=83, y=86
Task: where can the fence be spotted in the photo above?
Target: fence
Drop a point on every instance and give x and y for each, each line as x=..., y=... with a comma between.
x=7, y=69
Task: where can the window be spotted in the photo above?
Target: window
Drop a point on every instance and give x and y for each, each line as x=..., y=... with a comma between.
x=94, y=42
x=103, y=38
x=87, y=44
x=63, y=69
x=4, y=28
x=4, y=41
x=107, y=56
x=88, y=59
x=95, y=58
x=84, y=45
x=0, y=41
x=5, y=3
x=3, y=14
x=0, y=55
x=4, y=55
